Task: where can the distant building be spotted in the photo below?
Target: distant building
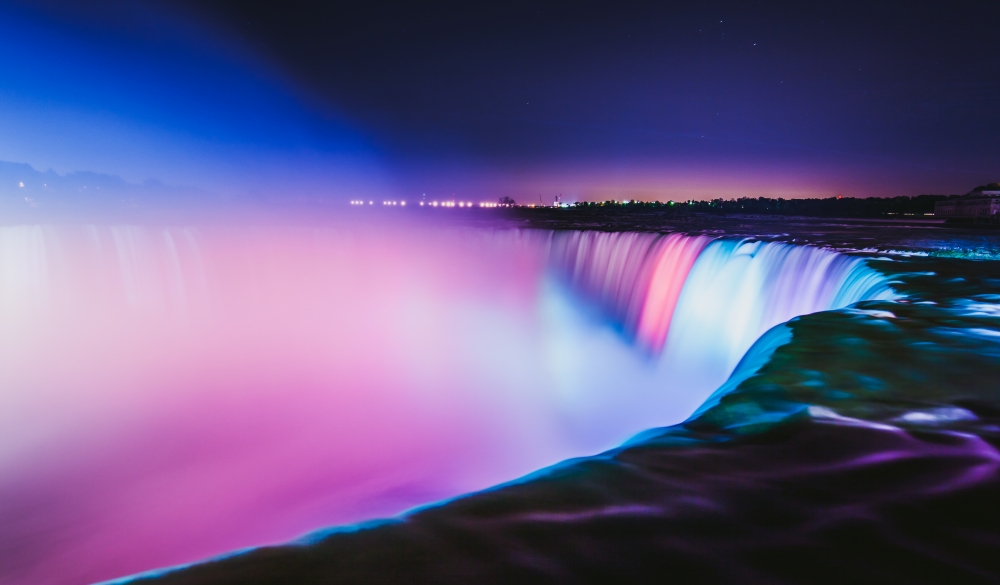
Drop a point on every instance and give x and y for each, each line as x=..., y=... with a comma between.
x=982, y=204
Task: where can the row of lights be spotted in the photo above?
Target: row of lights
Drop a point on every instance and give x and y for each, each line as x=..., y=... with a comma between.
x=429, y=203
x=448, y=204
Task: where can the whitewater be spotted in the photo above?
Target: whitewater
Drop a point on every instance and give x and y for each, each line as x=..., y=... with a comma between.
x=170, y=394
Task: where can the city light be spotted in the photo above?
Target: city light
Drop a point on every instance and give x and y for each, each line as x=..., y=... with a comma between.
x=462, y=204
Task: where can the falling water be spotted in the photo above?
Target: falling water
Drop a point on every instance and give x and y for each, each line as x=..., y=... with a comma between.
x=171, y=394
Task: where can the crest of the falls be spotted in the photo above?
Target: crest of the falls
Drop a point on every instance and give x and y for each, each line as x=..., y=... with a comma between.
x=636, y=277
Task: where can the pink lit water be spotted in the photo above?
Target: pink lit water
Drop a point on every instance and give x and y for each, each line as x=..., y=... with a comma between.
x=170, y=394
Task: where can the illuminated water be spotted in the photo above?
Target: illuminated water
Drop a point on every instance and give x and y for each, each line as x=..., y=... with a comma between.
x=176, y=393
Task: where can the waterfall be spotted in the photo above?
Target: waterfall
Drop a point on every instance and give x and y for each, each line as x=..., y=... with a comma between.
x=698, y=305
x=312, y=377
x=637, y=277
x=727, y=291
x=737, y=290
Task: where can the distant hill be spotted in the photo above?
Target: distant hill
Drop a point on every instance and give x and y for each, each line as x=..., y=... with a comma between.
x=26, y=190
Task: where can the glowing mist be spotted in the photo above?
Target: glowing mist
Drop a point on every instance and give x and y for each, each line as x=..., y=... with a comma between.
x=170, y=394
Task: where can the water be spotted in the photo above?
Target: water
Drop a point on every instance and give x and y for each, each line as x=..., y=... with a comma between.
x=174, y=394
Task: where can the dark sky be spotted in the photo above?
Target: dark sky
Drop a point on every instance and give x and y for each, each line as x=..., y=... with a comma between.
x=598, y=98
x=521, y=80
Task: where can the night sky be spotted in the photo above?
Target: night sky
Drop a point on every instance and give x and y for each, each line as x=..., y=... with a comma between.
x=594, y=100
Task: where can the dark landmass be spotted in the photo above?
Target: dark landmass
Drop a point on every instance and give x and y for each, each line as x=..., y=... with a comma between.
x=693, y=217
x=617, y=215
x=887, y=207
